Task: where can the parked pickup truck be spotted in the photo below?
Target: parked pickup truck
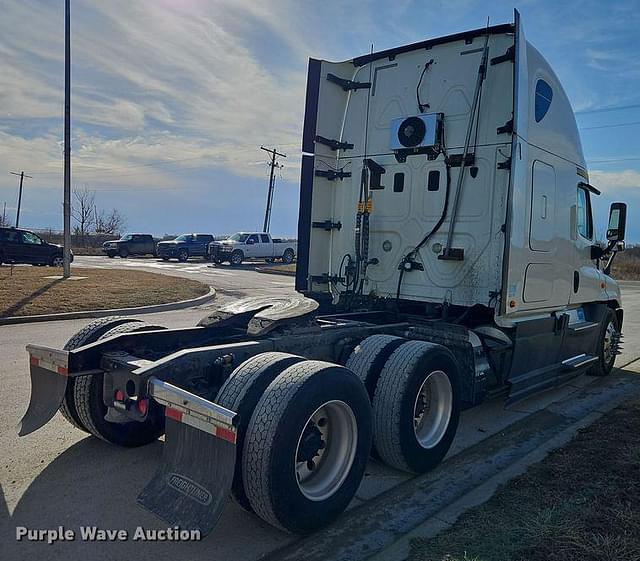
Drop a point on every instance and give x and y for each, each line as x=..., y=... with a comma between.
x=252, y=245
x=185, y=246
x=130, y=244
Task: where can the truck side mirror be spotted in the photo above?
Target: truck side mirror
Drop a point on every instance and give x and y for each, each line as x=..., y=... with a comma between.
x=617, y=222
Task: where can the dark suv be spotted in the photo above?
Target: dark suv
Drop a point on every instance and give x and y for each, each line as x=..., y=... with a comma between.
x=130, y=244
x=185, y=246
x=22, y=246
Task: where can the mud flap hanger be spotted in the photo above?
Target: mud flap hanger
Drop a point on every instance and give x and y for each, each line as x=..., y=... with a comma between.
x=191, y=486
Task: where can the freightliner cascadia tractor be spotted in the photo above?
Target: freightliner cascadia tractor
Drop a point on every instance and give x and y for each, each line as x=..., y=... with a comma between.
x=447, y=255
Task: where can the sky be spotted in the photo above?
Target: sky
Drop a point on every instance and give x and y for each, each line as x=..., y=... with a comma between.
x=172, y=99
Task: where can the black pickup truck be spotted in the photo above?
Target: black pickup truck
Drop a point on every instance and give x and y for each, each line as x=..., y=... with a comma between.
x=130, y=244
x=22, y=246
x=185, y=246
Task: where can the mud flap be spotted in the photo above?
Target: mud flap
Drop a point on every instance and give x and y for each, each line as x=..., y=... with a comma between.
x=49, y=371
x=191, y=486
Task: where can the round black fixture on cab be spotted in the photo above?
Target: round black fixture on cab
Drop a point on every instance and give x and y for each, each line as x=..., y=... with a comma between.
x=411, y=132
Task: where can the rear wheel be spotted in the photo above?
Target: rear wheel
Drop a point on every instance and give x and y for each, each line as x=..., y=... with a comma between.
x=368, y=359
x=306, y=446
x=88, y=397
x=241, y=393
x=608, y=343
x=416, y=406
x=89, y=334
x=287, y=256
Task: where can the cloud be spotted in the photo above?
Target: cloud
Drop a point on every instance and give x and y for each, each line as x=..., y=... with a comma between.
x=613, y=182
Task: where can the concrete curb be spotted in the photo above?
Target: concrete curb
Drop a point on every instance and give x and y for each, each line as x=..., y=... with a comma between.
x=114, y=311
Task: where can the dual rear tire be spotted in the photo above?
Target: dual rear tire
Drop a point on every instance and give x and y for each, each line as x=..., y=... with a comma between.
x=414, y=388
x=304, y=442
x=83, y=404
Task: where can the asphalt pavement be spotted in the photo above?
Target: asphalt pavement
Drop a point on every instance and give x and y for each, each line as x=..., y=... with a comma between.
x=60, y=476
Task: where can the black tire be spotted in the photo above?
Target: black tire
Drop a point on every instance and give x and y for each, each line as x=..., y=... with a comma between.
x=288, y=256
x=218, y=261
x=111, y=254
x=89, y=334
x=368, y=359
x=123, y=252
x=269, y=260
x=165, y=258
x=237, y=257
x=241, y=393
x=91, y=409
x=56, y=261
x=183, y=255
x=395, y=400
x=604, y=365
x=271, y=445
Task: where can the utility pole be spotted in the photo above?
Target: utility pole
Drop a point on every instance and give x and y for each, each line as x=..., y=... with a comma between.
x=67, y=142
x=22, y=176
x=272, y=164
x=4, y=214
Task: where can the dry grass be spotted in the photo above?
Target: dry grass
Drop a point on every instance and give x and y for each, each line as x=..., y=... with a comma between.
x=626, y=265
x=26, y=292
x=582, y=503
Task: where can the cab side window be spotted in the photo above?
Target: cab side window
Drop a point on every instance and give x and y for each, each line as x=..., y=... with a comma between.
x=253, y=238
x=28, y=237
x=264, y=238
x=584, y=220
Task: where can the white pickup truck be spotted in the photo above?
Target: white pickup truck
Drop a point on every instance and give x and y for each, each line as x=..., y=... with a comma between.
x=253, y=245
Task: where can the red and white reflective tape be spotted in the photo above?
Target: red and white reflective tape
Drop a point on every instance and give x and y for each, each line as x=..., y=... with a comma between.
x=35, y=361
x=208, y=426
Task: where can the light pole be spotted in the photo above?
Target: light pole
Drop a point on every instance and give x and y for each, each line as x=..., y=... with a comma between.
x=67, y=142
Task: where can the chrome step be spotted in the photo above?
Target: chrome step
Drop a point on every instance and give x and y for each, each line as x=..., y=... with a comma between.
x=578, y=361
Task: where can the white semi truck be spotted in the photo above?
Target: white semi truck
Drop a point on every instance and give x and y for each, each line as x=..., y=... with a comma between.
x=447, y=255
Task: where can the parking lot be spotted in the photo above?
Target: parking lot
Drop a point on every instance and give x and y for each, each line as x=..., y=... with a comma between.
x=59, y=476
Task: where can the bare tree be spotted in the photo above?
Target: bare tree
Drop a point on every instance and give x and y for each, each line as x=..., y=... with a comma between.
x=4, y=220
x=112, y=223
x=83, y=211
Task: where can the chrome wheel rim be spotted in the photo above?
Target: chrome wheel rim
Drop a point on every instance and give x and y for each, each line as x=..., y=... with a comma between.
x=236, y=259
x=608, y=350
x=326, y=450
x=58, y=261
x=432, y=409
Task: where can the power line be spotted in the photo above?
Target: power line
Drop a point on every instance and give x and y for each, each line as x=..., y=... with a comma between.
x=607, y=108
x=98, y=169
x=613, y=160
x=632, y=124
x=22, y=176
